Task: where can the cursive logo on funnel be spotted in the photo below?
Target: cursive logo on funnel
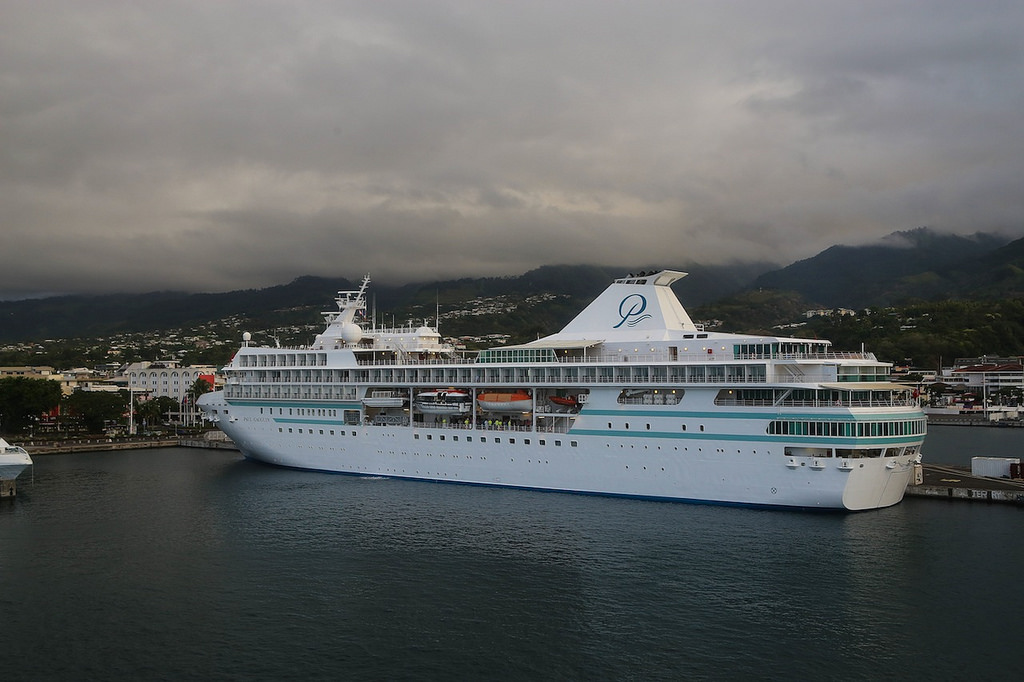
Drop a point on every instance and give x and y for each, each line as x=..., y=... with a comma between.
x=631, y=310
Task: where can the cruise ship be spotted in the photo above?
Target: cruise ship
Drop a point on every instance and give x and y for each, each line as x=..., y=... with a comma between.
x=631, y=398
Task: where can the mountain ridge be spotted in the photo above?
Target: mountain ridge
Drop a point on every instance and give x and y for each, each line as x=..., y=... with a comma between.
x=908, y=266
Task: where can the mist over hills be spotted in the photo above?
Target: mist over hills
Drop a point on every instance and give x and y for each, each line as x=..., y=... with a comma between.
x=915, y=265
x=301, y=300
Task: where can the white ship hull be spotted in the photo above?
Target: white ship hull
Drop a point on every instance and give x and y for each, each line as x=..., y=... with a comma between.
x=727, y=468
x=13, y=460
x=725, y=419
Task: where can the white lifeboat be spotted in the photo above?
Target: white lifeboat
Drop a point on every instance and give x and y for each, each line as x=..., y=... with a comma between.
x=444, y=401
x=384, y=399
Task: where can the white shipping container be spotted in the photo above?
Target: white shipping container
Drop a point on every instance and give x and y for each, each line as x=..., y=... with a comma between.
x=993, y=467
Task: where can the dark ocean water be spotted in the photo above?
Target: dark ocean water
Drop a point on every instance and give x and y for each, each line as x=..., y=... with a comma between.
x=193, y=564
x=958, y=444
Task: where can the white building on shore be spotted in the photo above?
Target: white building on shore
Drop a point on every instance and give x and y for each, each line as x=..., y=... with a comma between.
x=990, y=386
x=167, y=378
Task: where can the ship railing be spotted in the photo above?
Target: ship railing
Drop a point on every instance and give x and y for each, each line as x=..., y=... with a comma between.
x=496, y=426
x=617, y=358
x=732, y=402
x=830, y=355
x=449, y=356
x=668, y=399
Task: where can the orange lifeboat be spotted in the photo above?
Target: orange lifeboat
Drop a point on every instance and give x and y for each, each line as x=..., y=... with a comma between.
x=505, y=402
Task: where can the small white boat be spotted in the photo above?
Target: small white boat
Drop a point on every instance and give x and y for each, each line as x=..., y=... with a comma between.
x=13, y=460
x=505, y=402
x=384, y=399
x=444, y=401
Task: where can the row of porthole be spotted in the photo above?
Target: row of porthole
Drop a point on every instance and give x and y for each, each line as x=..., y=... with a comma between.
x=430, y=454
x=330, y=432
x=417, y=473
x=676, y=449
x=511, y=441
x=626, y=425
x=303, y=411
x=526, y=441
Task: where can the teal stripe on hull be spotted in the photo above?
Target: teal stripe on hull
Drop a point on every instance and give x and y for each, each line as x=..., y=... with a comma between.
x=305, y=403
x=845, y=416
x=751, y=438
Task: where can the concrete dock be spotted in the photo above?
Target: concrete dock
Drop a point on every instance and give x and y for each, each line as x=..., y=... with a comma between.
x=955, y=483
x=60, y=447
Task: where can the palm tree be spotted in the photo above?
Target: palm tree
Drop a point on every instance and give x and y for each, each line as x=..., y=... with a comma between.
x=198, y=388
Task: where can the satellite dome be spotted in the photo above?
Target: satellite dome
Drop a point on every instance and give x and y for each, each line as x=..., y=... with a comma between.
x=351, y=333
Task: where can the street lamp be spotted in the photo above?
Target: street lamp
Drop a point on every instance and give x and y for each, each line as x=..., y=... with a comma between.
x=131, y=411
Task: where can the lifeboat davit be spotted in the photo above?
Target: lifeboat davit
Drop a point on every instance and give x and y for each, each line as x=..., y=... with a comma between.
x=447, y=401
x=384, y=399
x=505, y=402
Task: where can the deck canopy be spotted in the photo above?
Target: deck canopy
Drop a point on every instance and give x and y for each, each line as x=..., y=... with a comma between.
x=559, y=344
x=542, y=350
x=867, y=386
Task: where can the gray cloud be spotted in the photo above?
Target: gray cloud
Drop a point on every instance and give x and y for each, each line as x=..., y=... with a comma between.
x=213, y=146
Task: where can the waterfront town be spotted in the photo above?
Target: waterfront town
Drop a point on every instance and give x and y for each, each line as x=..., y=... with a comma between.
x=122, y=397
x=978, y=390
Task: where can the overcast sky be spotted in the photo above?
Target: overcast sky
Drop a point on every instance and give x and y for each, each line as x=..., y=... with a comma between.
x=219, y=145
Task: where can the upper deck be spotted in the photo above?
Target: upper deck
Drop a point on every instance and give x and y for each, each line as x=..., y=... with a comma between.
x=636, y=331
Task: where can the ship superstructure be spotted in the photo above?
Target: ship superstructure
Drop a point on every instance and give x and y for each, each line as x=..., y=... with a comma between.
x=630, y=398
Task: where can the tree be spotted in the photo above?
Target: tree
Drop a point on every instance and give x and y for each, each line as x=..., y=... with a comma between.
x=23, y=399
x=96, y=409
x=199, y=388
x=151, y=412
